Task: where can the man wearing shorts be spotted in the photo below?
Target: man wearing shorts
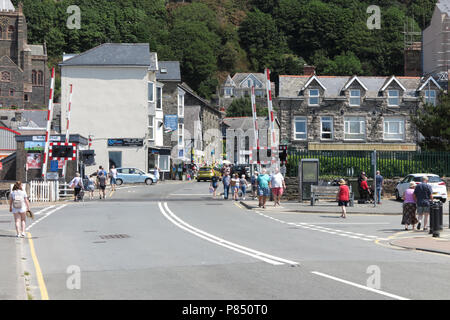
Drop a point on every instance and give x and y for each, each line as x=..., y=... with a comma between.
x=102, y=184
x=113, y=177
x=263, y=188
x=278, y=186
x=423, y=194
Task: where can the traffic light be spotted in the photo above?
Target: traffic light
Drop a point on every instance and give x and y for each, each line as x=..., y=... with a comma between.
x=87, y=157
x=62, y=151
x=269, y=153
x=283, y=154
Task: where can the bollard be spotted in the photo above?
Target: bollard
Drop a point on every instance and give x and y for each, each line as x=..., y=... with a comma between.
x=441, y=216
x=434, y=219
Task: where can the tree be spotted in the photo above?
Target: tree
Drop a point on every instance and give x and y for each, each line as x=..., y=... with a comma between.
x=242, y=107
x=433, y=123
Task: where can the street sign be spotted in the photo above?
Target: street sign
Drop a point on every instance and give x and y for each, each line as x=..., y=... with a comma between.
x=52, y=176
x=54, y=165
x=171, y=122
x=125, y=142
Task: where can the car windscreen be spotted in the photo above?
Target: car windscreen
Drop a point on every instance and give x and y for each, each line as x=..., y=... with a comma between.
x=431, y=179
x=205, y=169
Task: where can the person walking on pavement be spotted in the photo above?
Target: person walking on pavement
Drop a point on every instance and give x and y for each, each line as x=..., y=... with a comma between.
x=235, y=187
x=113, y=177
x=214, y=184
x=343, y=197
x=226, y=180
x=77, y=185
x=101, y=184
x=409, y=206
x=254, y=184
x=243, y=185
x=263, y=188
x=19, y=205
x=424, y=194
x=364, y=189
x=91, y=186
x=278, y=186
x=378, y=187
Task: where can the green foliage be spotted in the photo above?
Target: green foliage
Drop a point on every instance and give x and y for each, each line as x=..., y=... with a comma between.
x=433, y=122
x=242, y=107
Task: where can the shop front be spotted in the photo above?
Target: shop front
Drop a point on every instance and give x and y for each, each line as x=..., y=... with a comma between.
x=159, y=157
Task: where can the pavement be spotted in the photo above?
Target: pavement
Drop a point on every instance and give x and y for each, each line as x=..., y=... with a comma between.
x=424, y=242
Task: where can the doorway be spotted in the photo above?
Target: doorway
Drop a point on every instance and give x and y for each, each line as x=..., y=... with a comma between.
x=115, y=158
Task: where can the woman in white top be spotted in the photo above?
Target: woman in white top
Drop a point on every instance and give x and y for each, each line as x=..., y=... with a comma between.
x=19, y=205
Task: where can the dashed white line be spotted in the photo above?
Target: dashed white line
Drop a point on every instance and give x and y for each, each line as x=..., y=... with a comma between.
x=47, y=214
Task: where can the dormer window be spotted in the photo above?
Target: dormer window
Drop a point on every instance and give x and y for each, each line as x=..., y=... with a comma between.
x=314, y=95
x=393, y=98
x=355, y=98
x=430, y=97
x=163, y=70
x=228, y=92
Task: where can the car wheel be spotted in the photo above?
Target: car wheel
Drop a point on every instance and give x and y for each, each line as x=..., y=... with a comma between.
x=148, y=181
x=119, y=182
x=397, y=196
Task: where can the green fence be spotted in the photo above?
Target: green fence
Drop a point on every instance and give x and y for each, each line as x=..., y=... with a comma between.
x=390, y=163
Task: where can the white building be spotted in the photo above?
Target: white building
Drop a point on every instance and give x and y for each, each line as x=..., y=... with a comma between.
x=110, y=101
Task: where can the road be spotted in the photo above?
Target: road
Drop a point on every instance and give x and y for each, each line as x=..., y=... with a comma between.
x=172, y=241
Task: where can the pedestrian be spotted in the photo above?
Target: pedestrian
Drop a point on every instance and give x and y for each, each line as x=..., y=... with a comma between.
x=113, y=177
x=409, y=206
x=278, y=186
x=100, y=169
x=243, y=185
x=226, y=180
x=254, y=184
x=263, y=188
x=19, y=205
x=364, y=189
x=77, y=185
x=214, y=184
x=91, y=186
x=156, y=174
x=101, y=184
x=343, y=197
x=424, y=194
x=378, y=186
x=235, y=187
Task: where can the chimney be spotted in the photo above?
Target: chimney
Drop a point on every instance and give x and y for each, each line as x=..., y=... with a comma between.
x=309, y=70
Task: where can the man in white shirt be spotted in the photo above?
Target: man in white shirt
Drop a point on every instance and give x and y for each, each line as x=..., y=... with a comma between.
x=278, y=186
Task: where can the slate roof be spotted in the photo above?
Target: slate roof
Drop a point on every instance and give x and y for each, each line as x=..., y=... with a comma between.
x=36, y=50
x=173, y=71
x=113, y=54
x=239, y=77
x=444, y=6
x=6, y=5
x=290, y=85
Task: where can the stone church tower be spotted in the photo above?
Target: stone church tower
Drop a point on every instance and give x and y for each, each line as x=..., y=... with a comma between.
x=24, y=75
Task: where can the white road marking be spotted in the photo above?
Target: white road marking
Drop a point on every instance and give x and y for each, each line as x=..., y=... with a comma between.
x=390, y=295
x=190, y=194
x=221, y=242
x=47, y=214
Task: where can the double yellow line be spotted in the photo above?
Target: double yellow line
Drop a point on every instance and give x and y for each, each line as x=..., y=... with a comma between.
x=39, y=276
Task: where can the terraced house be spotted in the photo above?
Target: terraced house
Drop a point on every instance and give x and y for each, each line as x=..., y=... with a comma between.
x=351, y=112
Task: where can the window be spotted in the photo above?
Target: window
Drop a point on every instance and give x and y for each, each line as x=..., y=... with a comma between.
x=326, y=128
x=247, y=143
x=394, y=129
x=300, y=128
x=180, y=135
x=158, y=98
x=393, y=98
x=25, y=97
x=34, y=77
x=151, y=127
x=430, y=97
x=314, y=97
x=11, y=92
x=6, y=76
x=164, y=162
x=355, y=98
x=181, y=105
x=1, y=33
x=354, y=128
x=40, y=78
x=151, y=89
x=259, y=93
x=249, y=83
x=228, y=92
x=10, y=32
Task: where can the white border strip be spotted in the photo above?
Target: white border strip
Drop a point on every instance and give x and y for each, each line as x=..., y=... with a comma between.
x=219, y=241
x=46, y=215
x=390, y=295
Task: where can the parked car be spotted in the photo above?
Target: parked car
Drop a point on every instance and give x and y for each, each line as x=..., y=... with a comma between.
x=133, y=175
x=437, y=184
x=206, y=173
x=241, y=169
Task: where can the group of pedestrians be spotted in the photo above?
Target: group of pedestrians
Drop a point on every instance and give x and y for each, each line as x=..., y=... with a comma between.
x=98, y=179
x=417, y=199
x=262, y=186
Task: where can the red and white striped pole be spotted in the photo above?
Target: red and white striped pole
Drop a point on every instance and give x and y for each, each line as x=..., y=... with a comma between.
x=273, y=143
x=255, y=121
x=49, y=123
x=67, y=126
